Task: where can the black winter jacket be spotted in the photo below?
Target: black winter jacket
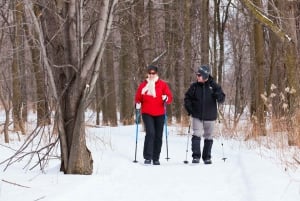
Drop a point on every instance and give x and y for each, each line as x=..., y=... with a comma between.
x=201, y=99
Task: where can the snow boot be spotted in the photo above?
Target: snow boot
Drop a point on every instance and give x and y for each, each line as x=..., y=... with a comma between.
x=196, y=160
x=147, y=162
x=196, y=147
x=206, y=154
x=156, y=162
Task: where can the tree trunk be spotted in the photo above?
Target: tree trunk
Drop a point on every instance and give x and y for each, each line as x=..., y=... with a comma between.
x=259, y=122
x=6, y=105
x=139, y=33
x=17, y=102
x=43, y=113
x=187, y=51
x=177, y=82
x=98, y=100
x=204, y=32
x=221, y=24
x=77, y=80
x=126, y=85
x=172, y=42
x=111, y=103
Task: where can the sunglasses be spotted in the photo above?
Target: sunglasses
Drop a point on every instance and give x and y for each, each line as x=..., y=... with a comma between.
x=199, y=75
x=151, y=73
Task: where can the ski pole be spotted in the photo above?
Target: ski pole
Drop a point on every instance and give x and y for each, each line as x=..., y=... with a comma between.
x=187, y=144
x=166, y=129
x=220, y=133
x=137, y=116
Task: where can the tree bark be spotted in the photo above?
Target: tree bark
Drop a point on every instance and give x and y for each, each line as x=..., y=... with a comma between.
x=43, y=113
x=126, y=86
x=80, y=81
x=204, y=32
x=17, y=96
x=258, y=74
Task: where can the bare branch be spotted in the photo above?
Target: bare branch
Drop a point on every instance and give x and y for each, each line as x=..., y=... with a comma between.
x=266, y=21
x=9, y=182
x=158, y=57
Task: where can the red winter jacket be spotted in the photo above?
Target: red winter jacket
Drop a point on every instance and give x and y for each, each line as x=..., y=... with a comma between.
x=153, y=106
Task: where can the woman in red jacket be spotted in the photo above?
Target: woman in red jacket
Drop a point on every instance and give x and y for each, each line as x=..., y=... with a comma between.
x=151, y=97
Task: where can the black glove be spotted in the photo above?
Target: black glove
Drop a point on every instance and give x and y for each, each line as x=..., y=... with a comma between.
x=220, y=96
x=217, y=91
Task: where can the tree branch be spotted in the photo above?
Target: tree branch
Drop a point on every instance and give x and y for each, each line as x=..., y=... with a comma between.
x=266, y=21
x=9, y=182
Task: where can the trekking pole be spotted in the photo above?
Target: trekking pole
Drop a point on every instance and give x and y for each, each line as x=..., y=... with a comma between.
x=166, y=129
x=220, y=133
x=187, y=144
x=137, y=116
x=223, y=158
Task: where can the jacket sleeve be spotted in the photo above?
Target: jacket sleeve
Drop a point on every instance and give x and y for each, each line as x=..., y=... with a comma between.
x=217, y=91
x=188, y=97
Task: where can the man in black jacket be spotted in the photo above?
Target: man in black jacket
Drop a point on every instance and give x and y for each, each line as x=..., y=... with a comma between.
x=200, y=101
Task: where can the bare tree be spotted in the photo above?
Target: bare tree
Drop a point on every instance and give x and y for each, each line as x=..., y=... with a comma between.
x=290, y=50
x=80, y=80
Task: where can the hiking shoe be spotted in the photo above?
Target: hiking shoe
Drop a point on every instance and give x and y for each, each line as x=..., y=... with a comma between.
x=156, y=162
x=147, y=162
x=195, y=160
x=207, y=161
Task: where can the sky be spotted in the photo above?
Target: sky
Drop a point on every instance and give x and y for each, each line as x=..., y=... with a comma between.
x=249, y=173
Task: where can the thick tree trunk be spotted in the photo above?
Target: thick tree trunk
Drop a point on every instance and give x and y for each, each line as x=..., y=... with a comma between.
x=75, y=83
x=259, y=121
x=80, y=158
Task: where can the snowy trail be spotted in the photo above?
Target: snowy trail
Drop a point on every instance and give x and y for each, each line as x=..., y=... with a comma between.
x=230, y=180
x=244, y=176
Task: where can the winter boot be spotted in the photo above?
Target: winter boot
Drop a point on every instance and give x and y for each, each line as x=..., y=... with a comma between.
x=196, y=149
x=147, y=162
x=156, y=162
x=206, y=154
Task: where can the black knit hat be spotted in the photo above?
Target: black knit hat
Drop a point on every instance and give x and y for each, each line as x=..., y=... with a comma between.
x=151, y=67
x=204, y=70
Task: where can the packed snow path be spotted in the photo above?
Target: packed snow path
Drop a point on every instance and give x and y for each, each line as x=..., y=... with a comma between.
x=244, y=176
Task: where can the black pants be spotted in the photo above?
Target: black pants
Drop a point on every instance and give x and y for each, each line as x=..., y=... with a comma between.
x=153, y=140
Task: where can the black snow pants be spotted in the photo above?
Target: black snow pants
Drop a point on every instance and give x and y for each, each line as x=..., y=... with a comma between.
x=154, y=126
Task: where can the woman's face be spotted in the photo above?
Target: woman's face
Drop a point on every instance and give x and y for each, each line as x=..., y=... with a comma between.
x=151, y=74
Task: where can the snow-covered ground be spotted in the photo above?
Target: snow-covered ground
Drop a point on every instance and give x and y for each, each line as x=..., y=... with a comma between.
x=246, y=175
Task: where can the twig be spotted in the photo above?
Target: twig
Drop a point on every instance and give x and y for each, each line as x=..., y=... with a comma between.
x=39, y=198
x=14, y=183
x=296, y=160
x=158, y=57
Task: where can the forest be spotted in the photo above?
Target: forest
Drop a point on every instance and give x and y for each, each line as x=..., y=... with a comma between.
x=61, y=58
